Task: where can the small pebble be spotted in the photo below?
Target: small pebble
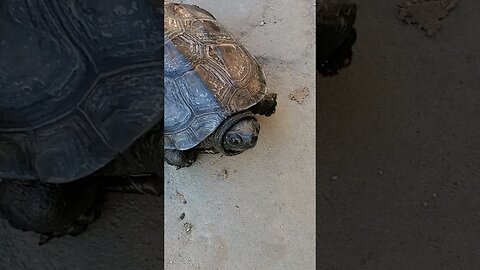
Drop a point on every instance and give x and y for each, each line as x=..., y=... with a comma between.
x=188, y=227
x=224, y=174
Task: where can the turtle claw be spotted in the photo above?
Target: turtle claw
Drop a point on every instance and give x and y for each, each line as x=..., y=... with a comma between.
x=266, y=106
x=88, y=218
x=180, y=159
x=78, y=227
x=151, y=184
x=186, y=165
x=44, y=238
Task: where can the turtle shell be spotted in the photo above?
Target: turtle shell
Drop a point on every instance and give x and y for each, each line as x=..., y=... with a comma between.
x=80, y=81
x=209, y=76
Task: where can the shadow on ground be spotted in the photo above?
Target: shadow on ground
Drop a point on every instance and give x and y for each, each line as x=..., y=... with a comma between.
x=128, y=235
x=398, y=145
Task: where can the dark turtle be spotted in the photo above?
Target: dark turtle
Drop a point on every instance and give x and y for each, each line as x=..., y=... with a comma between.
x=81, y=87
x=335, y=35
x=213, y=88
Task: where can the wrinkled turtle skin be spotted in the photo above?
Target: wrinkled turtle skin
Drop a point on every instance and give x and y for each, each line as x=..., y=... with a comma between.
x=81, y=108
x=335, y=35
x=213, y=88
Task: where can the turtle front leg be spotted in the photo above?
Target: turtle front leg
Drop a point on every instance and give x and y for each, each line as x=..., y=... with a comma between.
x=180, y=158
x=151, y=184
x=266, y=106
x=53, y=210
x=335, y=35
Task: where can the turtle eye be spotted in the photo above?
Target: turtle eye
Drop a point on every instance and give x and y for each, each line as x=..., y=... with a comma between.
x=235, y=140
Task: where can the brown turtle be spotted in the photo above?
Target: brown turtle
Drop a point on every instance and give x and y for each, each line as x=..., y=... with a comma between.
x=213, y=88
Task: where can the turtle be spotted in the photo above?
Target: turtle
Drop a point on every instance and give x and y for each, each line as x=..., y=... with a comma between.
x=336, y=35
x=81, y=109
x=214, y=88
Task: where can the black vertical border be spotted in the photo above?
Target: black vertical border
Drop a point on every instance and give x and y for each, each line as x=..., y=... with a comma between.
x=158, y=5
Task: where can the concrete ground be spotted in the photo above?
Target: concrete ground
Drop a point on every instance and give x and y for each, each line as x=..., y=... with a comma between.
x=398, y=140
x=255, y=210
x=252, y=211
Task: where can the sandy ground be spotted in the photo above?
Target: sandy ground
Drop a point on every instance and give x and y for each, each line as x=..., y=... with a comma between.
x=253, y=211
x=398, y=157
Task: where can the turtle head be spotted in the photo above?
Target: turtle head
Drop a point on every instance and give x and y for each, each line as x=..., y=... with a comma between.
x=237, y=134
x=241, y=136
